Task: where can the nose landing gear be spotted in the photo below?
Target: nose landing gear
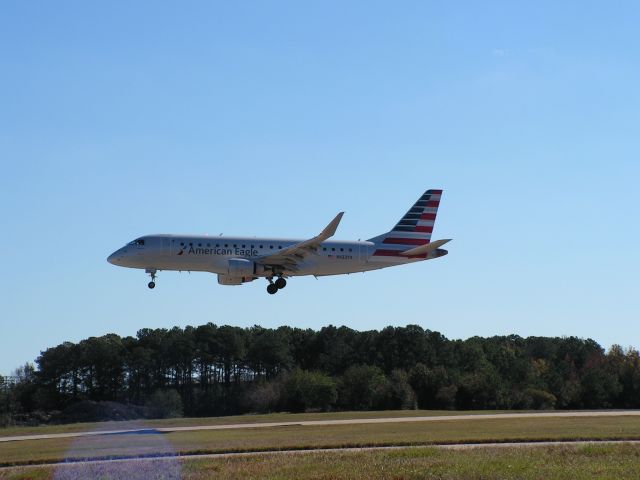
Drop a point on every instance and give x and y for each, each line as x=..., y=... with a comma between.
x=273, y=287
x=152, y=273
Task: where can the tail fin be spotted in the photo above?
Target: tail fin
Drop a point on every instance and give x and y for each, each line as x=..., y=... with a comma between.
x=414, y=228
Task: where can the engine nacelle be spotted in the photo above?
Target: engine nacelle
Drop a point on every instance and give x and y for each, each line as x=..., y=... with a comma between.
x=229, y=280
x=240, y=267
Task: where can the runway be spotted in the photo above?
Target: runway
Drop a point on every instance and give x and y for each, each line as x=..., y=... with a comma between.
x=452, y=418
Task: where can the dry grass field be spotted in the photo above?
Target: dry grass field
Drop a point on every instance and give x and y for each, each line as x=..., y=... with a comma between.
x=618, y=462
x=305, y=437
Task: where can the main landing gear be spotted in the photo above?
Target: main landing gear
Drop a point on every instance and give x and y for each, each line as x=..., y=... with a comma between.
x=152, y=273
x=279, y=284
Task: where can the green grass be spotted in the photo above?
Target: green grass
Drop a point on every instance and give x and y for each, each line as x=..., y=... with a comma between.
x=301, y=437
x=561, y=463
x=268, y=418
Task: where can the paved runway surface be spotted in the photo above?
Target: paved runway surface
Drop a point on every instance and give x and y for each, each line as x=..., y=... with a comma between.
x=493, y=416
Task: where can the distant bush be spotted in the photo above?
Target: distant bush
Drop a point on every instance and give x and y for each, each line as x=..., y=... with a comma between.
x=446, y=397
x=264, y=397
x=164, y=404
x=540, y=399
x=90, y=411
x=363, y=387
x=303, y=390
x=401, y=395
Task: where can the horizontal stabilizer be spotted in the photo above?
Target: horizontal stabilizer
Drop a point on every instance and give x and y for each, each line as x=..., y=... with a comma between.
x=422, y=249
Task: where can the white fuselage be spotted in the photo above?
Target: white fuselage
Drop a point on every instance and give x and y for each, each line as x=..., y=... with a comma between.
x=205, y=253
x=238, y=260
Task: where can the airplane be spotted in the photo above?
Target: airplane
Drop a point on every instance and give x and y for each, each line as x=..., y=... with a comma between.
x=239, y=260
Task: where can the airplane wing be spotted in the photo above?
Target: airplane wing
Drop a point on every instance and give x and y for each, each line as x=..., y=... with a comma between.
x=422, y=249
x=289, y=257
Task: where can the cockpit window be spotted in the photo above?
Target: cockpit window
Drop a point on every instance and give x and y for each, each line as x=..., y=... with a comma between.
x=139, y=241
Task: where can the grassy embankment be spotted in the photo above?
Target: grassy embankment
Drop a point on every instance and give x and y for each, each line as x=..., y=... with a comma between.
x=583, y=462
x=305, y=437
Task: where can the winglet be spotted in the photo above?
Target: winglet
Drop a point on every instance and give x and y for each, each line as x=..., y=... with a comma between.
x=422, y=249
x=330, y=230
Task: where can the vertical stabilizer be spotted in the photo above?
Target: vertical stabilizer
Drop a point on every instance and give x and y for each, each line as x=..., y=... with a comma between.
x=413, y=229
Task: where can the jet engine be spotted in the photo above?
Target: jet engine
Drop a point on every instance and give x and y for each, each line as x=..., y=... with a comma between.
x=229, y=280
x=240, y=267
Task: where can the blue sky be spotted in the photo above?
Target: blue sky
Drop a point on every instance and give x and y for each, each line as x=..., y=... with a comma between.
x=267, y=118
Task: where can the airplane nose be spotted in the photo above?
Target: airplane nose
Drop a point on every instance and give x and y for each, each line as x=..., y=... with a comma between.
x=115, y=258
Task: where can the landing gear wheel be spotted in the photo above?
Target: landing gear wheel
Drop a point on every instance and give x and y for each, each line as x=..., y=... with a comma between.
x=271, y=288
x=280, y=283
x=152, y=273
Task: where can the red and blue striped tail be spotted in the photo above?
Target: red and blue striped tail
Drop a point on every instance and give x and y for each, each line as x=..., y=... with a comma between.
x=413, y=229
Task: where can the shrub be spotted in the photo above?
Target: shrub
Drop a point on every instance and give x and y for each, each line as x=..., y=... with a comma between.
x=446, y=397
x=401, y=395
x=165, y=404
x=540, y=399
x=363, y=387
x=265, y=397
x=304, y=390
x=90, y=411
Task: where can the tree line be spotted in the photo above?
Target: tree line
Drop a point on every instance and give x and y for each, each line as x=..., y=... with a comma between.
x=223, y=370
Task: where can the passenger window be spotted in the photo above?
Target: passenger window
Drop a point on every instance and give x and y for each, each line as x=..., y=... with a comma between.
x=261, y=246
x=226, y=245
x=243, y=246
x=333, y=249
x=271, y=247
x=342, y=249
